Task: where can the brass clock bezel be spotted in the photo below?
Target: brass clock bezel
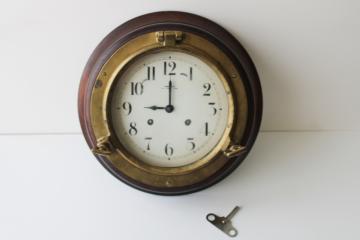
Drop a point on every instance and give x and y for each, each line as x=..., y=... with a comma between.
x=221, y=146
x=167, y=176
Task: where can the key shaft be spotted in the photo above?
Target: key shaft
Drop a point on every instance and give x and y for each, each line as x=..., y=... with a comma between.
x=232, y=213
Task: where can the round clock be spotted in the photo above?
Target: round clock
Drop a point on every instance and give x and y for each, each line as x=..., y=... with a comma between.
x=170, y=103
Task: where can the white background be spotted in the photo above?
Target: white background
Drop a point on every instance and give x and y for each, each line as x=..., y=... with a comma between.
x=300, y=181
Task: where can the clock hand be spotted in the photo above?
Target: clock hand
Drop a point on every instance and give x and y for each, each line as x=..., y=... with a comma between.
x=169, y=108
x=155, y=107
x=170, y=88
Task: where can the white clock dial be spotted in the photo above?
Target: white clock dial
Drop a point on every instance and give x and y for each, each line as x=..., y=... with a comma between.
x=169, y=109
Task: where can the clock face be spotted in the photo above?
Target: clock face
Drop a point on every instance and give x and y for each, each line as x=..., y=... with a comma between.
x=169, y=108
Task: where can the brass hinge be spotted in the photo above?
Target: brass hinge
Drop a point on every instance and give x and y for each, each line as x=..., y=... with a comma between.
x=169, y=38
x=234, y=151
x=103, y=146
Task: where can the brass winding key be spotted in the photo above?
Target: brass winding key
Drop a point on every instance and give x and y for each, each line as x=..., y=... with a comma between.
x=224, y=223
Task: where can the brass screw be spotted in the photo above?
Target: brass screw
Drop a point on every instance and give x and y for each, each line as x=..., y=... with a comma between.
x=98, y=84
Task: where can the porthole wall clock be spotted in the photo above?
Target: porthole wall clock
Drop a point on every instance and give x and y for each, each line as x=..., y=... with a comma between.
x=170, y=103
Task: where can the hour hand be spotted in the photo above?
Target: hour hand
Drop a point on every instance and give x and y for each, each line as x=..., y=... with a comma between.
x=155, y=107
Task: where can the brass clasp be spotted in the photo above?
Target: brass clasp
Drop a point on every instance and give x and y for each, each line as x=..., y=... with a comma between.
x=234, y=151
x=103, y=146
x=169, y=38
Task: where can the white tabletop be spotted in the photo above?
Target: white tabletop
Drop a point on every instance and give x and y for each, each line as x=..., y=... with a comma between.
x=292, y=186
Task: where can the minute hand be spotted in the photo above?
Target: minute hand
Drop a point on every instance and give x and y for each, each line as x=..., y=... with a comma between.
x=170, y=90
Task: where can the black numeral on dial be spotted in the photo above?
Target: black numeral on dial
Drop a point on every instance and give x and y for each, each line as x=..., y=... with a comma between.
x=212, y=104
x=150, y=73
x=169, y=151
x=190, y=75
x=133, y=130
x=206, y=129
x=207, y=87
x=137, y=88
x=148, y=139
x=169, y=67
x=126, y=106
x=192, y=143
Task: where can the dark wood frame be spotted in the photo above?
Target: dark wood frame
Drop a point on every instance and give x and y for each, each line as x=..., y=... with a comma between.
x=180, y=21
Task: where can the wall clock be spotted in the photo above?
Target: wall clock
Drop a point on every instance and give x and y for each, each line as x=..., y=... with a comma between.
x=170, y=103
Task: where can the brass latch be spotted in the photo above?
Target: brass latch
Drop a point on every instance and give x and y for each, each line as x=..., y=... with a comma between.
x=103, y=146
x=169, y=38
x=234, y=151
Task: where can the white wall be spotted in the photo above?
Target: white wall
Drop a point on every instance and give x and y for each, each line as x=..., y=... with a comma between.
x=306, y=52
x=293, y=185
